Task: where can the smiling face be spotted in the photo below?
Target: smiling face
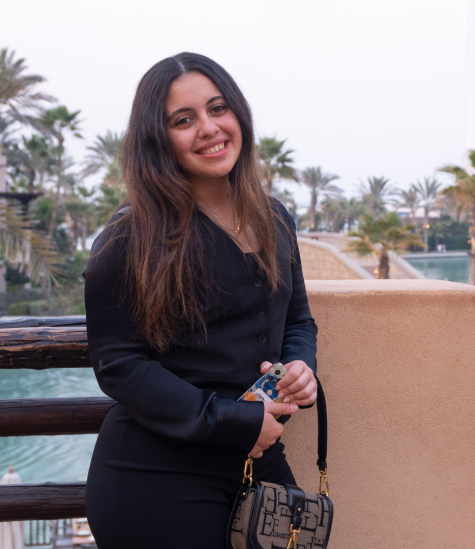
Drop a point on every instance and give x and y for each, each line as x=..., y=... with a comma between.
x=205, y=134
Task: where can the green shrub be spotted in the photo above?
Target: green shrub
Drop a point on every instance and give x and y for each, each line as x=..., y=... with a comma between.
x=22, y=308
x=78, y=309
x=38, y=308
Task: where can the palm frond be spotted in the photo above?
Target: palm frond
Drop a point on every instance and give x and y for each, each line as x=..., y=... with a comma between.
x=25, y=248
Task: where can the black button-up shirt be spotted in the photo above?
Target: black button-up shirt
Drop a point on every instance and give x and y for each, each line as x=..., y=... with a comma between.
x=189, y=392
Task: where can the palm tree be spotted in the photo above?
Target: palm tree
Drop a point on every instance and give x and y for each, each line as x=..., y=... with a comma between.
x=34, y=160
x=105, y=154
x=319, y=183
x=409, y=199
x=18, y=94
x=441, y=229
x=333, y=214
x=275, y=161
x=448, y=205
x=379, y=236
x=428, y=192
x=463, y=191
x=288, y=201
x=108, y=201
x=375, y=194
x=352, y=209
x=80, y=208
x=57, y=121
x=25, y=249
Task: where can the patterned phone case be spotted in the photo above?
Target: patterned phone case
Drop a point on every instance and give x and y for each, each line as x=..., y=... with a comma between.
x=264, y=388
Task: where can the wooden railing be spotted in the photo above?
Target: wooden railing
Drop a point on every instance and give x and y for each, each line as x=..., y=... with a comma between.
x=39, y=344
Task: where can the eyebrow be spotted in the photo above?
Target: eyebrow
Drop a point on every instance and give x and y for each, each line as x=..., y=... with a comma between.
x=185, y=109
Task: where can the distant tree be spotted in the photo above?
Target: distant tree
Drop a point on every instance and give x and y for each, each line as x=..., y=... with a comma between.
x=333, y=214
x=274, y=161
x=375, y=194
x=33, y=160
x=19, y=98
x=379, y=236
x=107, y=202
x=80, y=207
x=319, y=183
x=57, y=122
x=104, y=155
x=463, y=190
x=428, y=191
x=288, y=201
x=352, y=209
x=448, y=205
x=441, y=229
x=408, y=199
x=24, y=248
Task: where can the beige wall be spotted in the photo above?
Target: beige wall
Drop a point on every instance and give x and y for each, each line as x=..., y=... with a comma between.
x=397, y=362
x=321, y=261
x=321, y=265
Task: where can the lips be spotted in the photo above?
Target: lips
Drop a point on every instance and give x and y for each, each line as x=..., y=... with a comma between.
x=213, y=149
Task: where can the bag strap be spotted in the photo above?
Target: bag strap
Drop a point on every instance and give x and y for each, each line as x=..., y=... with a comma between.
x=322, y=438
x=322, y=426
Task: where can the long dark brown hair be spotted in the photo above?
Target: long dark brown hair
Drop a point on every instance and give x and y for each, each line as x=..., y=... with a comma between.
x=165, y=260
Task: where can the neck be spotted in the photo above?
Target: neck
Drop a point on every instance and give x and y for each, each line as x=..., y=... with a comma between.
x=212, y=193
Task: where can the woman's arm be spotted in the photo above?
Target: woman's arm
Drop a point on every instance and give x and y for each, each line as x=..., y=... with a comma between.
x=155, y=397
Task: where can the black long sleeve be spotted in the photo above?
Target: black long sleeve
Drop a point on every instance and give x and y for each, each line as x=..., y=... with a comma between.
x=154, y=396
x=189, y=393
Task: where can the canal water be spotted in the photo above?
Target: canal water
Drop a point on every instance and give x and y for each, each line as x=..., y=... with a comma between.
x=61, y=458
x=454, y=269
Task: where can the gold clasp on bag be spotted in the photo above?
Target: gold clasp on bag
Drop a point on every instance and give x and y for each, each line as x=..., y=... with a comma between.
x=248, y=470
x=293, y=537
x=324, y=483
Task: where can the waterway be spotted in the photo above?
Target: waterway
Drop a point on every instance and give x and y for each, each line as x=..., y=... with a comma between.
x=62, y=458
x=440, y=267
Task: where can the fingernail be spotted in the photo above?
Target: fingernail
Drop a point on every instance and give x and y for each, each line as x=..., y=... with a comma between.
x=281, y=394
x=293, y=407
x=286, y=399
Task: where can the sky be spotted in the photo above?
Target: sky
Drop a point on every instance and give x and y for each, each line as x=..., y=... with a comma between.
x=360, y=88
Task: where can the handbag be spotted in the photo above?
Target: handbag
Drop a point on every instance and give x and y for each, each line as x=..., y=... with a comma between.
x=274, y=516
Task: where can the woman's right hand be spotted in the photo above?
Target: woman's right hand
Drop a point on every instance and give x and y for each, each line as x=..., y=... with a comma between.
x=271, y=429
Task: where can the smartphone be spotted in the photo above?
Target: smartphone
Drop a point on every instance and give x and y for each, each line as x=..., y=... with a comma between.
x=264, y=389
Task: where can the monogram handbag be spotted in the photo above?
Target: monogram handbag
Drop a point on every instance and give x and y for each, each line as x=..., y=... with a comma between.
x=274, y=516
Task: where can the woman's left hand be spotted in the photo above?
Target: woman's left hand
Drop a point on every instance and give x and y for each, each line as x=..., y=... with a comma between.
x=298, y=384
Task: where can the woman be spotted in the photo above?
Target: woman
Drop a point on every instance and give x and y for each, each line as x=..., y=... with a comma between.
x=192, y=291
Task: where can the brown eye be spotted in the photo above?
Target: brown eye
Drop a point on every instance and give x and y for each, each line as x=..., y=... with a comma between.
x=219, y=108
x=183, y=121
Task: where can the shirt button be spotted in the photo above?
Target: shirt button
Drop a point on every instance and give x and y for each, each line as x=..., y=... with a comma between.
x=262, y=339
x=261, y=311
x=258, y=282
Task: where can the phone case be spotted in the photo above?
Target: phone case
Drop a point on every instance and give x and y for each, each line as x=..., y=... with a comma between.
x=264, y=388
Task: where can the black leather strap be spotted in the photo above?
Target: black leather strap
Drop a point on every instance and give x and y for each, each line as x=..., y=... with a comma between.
x=322, y=427
x=296, y=503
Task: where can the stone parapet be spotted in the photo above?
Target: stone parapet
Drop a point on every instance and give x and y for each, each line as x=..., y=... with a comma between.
x=322, y=261
x=397, y=362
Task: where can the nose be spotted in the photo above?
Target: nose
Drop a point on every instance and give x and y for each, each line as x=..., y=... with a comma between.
x=207, y=127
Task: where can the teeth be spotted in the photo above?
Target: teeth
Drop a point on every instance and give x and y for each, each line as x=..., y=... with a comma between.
x=214, y=149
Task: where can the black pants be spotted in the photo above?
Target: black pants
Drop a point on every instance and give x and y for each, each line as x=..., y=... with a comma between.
x=147, y=492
